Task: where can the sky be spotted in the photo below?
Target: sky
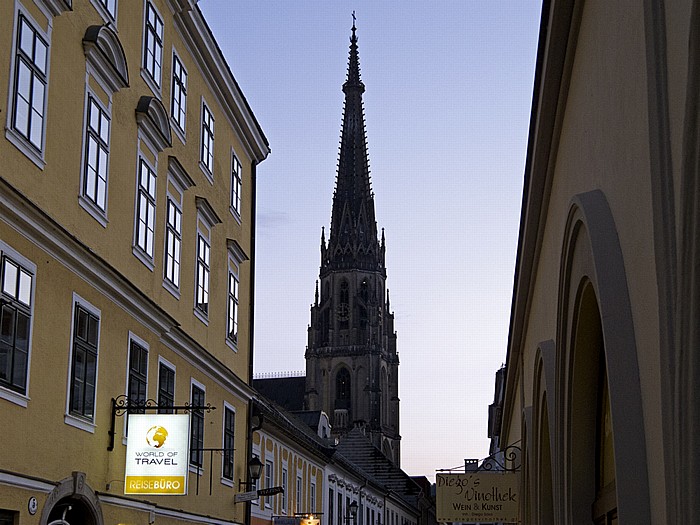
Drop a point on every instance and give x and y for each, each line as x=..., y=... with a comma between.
x=447, y=108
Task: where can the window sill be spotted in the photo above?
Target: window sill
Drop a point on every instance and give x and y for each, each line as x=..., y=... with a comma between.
x=174, y=290
x=178, y=131
x=150, y=81
x=94, y=210
x=201, y=316
x=14, y=397
x=194, y=469
x=233, y=346
x=208, y=174
x=82, y=424
x=236, y=214
x=141, y=256
x=22, y=144
x=227, y=482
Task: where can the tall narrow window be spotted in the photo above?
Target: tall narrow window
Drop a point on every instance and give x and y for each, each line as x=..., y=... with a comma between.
x=207, y=150
x=284, y=495
x=173, y=242
x=232, y=329
x=31, y=78
x=229, y=434
x=268, y=481
x=95, y=164
x=84, y=363
x=236, y=185
x=299, y=485
x=166, y=388
x=153, y=45
x=146, y=209
x=138, y=375
x=197, y=427
x=331, y=505
x=202, y=295
x=178, y=104
x=107, y=8
x=312, y=497
x=15, y=324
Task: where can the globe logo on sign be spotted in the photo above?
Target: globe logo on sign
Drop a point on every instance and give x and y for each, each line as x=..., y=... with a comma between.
x=156, y=436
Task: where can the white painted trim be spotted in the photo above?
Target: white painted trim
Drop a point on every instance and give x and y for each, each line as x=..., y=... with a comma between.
x=22, y=482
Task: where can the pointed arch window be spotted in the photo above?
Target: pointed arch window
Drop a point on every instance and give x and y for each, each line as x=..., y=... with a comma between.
x=342, y=389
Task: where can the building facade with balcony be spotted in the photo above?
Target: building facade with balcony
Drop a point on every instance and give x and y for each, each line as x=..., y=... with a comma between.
x=127, y=220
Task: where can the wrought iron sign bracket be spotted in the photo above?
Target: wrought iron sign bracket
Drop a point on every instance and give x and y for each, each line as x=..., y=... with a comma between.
x=123, y=405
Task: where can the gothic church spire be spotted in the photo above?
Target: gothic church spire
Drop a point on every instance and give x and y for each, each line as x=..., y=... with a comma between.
x=353, y=235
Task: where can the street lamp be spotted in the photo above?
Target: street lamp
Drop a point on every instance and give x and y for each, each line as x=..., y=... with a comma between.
x=352, y=508
x=255, y=467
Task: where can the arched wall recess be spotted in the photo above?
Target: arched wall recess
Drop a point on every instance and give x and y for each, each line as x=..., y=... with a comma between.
x=591, y=251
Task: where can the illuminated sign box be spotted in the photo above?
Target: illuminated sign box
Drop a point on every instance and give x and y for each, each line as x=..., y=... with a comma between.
x=157, y=454
x=477, y=497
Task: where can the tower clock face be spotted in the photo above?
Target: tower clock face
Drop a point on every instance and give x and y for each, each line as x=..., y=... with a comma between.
x=342, y=312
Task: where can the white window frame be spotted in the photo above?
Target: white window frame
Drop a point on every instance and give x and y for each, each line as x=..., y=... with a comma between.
x=206, y=219
x=35, y=153
x=177, y=86
x=207, y=133
x=197, y=469
x=312, y=497
x=86, y=202
x=299, y=486
x=139, y=251
x=227, y=408
x=233, y=303
x=162, y=361
x=236, y=186
x=172, y=255
x=133, y=338
x=83, y=423
x=103, y=8
x=150, y=76
x=6, y=393
x=269, y=480
x=285, y=484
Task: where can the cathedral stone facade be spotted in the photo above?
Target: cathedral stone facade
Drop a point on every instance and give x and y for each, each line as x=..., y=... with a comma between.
x=351, y=360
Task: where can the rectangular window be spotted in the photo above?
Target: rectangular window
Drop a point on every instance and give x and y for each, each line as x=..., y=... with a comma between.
x=83, y=382
x=138, y=375
x=232, y=328
x=166, y=388
x=178, y=104
x=197, y=427
x=284, y=490
x=207, y=151
x=299, y=509
x=108, y=8
x=8, y=517
x=331, y=504
x=15, y=324
x=173, y=242
x=95, y=165
x=340, y=509
x=229, y=433
x=312, y=497
x=202, y=295
x=31, y=78
x=268, y=482
x=153, y=44
x=146, y=209
x=236, y=185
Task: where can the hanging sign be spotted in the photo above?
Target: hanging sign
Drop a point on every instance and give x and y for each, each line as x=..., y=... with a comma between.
x=157, y=454
x=478, y=497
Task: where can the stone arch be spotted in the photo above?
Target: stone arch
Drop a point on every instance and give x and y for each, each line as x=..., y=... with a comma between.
x=72, y=502
x=152, y=119
x=596, y=333
x=105, y=53
x=543, y=395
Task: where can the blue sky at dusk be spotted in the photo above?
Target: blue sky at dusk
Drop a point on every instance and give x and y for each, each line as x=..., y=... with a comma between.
x=447, y=108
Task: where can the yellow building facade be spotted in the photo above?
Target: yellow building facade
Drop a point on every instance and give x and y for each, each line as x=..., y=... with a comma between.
x=127, y=190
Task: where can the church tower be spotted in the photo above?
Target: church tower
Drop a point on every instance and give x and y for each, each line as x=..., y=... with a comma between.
x=351, y=360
